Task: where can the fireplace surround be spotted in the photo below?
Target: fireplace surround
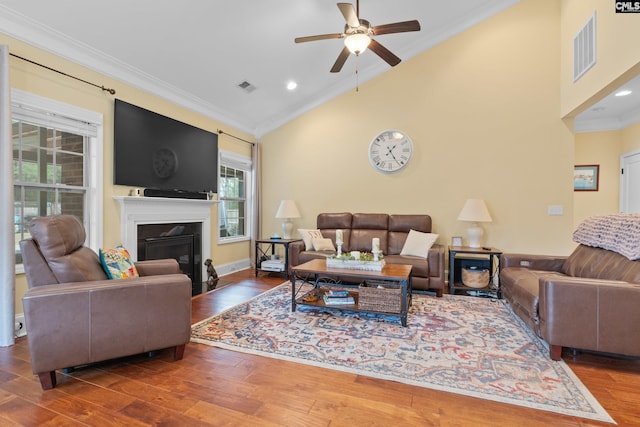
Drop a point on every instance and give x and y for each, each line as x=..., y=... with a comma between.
x=135, y=211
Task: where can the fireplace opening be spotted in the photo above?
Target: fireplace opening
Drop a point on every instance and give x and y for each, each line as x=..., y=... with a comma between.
x=180, y=241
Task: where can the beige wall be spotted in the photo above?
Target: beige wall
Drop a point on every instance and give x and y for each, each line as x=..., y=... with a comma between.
x=618, y=53
x=604, y=149
x=482, y=110
x=631, y=138
x=37, y=80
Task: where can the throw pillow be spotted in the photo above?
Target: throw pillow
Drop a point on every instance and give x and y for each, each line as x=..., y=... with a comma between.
x=418, y=244
x=307, y=235
x=117, y=263
x=323, y=245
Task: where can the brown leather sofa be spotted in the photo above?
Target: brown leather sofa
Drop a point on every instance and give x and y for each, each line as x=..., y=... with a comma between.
x=589, y=300
x=75, y=316
x=358, y=231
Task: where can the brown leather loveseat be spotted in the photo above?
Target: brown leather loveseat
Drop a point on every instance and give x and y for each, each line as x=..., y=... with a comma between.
x=75, y=316
x=358, y=231
x=589, y=300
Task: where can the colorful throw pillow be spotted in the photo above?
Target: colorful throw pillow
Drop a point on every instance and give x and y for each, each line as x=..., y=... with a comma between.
x=418, y=244
x=323, y=245
x=117, y=263
x=307, y=236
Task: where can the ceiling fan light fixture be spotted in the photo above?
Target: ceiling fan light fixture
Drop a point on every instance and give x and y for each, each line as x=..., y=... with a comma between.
x=357, y=43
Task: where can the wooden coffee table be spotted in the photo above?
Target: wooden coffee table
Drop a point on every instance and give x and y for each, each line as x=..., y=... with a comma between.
x=317, y=273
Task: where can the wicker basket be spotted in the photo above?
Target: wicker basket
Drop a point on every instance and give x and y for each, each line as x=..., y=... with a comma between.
x=474, y=277
x=381, y=296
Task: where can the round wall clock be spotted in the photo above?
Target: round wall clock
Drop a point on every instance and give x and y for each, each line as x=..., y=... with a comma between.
x=165, y=162
x=390, y=151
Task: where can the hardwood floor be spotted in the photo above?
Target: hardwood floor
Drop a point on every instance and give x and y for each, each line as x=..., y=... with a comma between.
x=218, y=387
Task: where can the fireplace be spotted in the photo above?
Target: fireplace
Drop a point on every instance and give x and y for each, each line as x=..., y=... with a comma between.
x=180, y=241
x=149, y=218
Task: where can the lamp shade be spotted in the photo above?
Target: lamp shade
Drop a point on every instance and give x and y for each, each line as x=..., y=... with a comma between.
x=357, y=43
x=288, y=209
x=475, y=210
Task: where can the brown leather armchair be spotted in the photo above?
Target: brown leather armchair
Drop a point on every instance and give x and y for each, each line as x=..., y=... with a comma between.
x=75, y=316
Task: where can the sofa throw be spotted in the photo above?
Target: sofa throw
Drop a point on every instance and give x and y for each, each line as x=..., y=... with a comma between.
x=616, y=232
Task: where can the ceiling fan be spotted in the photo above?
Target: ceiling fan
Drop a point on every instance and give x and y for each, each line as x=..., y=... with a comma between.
x=358, y=36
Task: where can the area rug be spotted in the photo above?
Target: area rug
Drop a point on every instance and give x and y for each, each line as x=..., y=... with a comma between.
x=471, y=346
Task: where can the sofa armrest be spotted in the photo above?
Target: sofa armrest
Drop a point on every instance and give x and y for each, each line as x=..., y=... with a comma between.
x=436, y=261
x=83, y=322
x=294, y=253
x=155, y=267
x=590, y=314
x=533, y=262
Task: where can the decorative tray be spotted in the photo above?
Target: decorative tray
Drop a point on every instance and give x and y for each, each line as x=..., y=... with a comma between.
x=353, y=264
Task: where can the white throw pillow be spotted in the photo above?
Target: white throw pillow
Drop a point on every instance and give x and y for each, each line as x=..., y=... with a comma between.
x=418, y=243
x=321, y=244
x=307, y=235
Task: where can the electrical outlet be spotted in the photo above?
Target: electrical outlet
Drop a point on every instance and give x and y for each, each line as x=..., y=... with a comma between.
x=20, y=328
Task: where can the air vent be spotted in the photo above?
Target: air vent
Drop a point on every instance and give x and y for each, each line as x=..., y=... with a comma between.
x=584, y=48
x=246, y=86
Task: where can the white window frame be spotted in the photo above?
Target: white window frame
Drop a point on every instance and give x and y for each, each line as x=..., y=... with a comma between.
x=244, y=163
x=48, y=112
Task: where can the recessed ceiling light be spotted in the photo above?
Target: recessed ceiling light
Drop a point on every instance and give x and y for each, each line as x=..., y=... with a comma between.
x=623, y=93
x=292, y=85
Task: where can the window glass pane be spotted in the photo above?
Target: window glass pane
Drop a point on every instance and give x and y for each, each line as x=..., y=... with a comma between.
x=69, y=169
x=71, y=142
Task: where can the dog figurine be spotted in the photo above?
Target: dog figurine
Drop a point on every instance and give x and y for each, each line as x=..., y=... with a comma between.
x=212, y=279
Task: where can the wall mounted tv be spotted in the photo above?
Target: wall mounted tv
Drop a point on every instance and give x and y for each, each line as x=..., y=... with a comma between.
x=158, y=152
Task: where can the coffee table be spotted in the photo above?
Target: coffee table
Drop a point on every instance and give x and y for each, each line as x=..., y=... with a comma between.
x=317, y=273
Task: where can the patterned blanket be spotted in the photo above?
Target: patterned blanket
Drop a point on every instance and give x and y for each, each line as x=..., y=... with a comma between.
x=616, y=232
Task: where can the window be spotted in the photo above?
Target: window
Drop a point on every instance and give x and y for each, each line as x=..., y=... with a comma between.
x=234, y=190
x=55, y=170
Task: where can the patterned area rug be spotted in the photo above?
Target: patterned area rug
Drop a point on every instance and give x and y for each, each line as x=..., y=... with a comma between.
x=471, y=346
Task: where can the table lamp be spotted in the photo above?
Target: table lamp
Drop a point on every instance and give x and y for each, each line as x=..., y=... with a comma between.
x=287, y=210
x=475, y=211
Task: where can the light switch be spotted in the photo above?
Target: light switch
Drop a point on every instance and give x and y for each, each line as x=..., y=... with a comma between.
x=555, y=210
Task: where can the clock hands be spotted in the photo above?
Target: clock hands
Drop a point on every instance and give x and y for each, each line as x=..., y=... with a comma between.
x=390, y=151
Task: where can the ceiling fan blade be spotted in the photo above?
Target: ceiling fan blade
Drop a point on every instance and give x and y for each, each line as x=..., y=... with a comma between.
x=349, y=14
x=342, y=58
x=319, y=37
x=396, y=27
x=384, y=53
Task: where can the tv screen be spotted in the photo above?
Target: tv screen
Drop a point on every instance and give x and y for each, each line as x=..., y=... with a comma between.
x=155, y=151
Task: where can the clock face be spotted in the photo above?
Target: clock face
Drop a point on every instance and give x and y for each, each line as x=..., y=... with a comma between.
x=390, y=151
x=165, y=162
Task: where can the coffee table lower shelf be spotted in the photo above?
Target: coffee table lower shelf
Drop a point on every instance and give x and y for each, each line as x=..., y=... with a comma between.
x=319, y=275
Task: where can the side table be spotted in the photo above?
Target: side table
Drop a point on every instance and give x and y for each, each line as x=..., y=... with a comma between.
x=462, y=257
x=267, y=248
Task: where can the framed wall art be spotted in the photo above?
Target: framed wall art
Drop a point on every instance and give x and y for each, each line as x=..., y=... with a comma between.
x=586, y=177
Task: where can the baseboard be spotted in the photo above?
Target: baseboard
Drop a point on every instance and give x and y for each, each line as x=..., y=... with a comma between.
x=233, y=267
x=21, y=327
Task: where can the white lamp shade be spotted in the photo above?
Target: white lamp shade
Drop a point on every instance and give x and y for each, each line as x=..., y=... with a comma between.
x=288, y=209
x=357, y=43
x=475, y=210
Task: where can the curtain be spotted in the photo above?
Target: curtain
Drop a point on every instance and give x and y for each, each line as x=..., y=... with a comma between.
x=256, y=217
x=7, y=236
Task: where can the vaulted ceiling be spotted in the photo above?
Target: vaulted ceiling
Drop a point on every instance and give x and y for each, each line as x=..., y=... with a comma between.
x=197, y=54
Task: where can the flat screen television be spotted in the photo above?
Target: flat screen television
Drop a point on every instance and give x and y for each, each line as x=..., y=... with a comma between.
x=158, y=152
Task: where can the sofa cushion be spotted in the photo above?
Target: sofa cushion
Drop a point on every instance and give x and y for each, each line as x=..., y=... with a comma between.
x=307, y=236
x=399, y=227
x=420, y=268
x=597, y=263
x=322, y=244
x=117, y=263
x=418, y=244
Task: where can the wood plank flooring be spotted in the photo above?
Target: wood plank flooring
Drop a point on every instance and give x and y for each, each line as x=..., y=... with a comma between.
x=223, y=388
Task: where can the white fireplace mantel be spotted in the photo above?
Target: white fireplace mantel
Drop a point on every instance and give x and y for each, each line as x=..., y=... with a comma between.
x=136, y=211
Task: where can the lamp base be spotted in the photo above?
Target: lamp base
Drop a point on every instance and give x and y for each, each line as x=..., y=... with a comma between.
x=287, y=229
x=474, y=234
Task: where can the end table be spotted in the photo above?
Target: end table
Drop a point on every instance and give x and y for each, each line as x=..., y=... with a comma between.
x=463, y=256
x=267, y=247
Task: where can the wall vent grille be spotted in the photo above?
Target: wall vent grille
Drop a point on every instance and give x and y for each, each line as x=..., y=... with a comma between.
x=584, y=48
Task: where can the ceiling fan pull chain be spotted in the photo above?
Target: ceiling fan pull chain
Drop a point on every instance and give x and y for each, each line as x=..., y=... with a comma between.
x=357, y=76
